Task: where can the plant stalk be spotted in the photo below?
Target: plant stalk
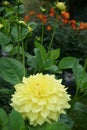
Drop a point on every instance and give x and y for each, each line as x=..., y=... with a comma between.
x=42, y=36
x=23, y=54
x=53, y=34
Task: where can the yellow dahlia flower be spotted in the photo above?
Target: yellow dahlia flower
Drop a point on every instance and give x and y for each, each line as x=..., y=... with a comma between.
x=1, y=25
x=6, y=3
x=20, y=22
x=61, y=6
x=29, y=29
x=40, y=98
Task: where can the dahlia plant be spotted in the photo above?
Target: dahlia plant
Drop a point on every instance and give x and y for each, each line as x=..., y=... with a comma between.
x=39, y=99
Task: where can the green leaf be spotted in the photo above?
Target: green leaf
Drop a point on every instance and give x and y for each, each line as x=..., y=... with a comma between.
x=2, y=9
x=33, y=25
x=21, y=9
x=15, y=50
x=38, y=59
x=57, y=126
x=42, y=127
x=67, y=120
x=42, y=50
x=52, y=68
x=3, y=119
x=54, y=54
x=4, y=128
x=80, y=107
x=32, y=61
x=67, y=62
x=80, y=75
x=35, y=61
x=52, y=126
x=8, y=48
x=17, y=37
x=47, y=64
x=4, y=39
x=16, y=121
x=84, y=87
x=11, y=70
x=6, y=27
x=80, y=120
x=6, y=91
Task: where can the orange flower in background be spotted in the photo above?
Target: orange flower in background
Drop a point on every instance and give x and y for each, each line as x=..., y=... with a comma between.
x=73, y=23
x=26, y=18
x=73, y=26
x=65, y=15
x=83, y=25
x=42, y=17
x=59, y=17
x=64, y=18
x=49, y=28
x=52, y=12
x=44, y=20
x=65, y=21
x=31, y=12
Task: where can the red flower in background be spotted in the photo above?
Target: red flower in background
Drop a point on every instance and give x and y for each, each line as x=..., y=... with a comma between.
x=73, y=23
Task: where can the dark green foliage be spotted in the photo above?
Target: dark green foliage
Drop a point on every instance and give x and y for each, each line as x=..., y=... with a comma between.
x=5, y=95
x=79, y=115
x=71, y=42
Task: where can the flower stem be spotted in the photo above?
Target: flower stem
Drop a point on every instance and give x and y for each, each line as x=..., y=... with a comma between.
x=73, y=103
x=18, y=53
x=18, y=28
x=53, y=34
x=42, y=36
x=23, y=55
